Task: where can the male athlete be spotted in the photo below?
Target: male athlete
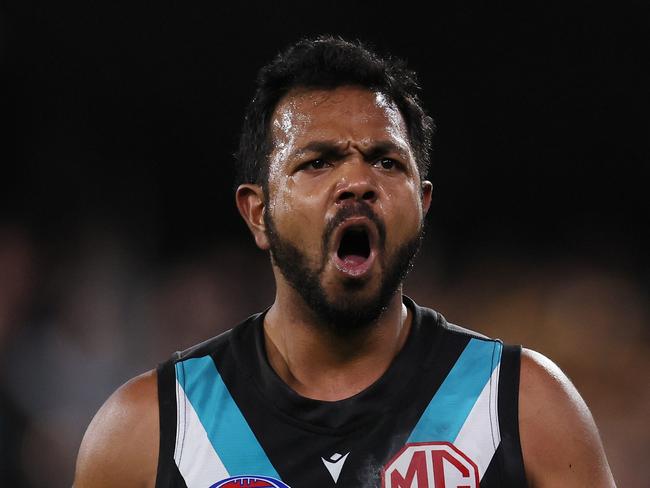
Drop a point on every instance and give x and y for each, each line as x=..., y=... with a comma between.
x=343, y=381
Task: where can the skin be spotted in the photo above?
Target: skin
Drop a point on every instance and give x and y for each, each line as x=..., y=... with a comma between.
x=560, y=442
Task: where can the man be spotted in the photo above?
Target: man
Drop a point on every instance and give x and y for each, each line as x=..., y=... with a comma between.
x=343, y=381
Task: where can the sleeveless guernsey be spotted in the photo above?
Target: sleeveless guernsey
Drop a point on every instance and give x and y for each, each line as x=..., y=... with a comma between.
x=444, y=415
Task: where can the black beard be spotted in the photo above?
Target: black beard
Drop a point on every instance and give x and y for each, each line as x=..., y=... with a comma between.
x=348, y=315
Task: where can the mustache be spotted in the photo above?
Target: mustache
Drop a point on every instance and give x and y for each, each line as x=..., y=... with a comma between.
x=356, y=209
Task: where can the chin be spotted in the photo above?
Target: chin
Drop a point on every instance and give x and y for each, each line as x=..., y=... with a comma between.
x=354, y=307
x=355, y=291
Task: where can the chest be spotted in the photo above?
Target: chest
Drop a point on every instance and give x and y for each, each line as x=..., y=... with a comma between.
x=435, y=429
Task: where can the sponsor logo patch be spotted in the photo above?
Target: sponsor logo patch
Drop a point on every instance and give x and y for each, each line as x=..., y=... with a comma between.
x=250, y=482
x=430, y=465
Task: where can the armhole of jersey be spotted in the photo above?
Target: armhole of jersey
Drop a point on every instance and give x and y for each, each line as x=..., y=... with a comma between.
x=508, y=404
x=166, y=474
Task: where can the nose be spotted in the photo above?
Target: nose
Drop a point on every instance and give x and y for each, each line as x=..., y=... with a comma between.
x=356, y=183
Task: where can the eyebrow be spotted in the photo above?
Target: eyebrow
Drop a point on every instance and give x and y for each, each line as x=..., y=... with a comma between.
x=335, y=150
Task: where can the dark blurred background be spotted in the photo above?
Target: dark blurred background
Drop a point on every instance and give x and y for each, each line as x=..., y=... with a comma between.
x=120, y=241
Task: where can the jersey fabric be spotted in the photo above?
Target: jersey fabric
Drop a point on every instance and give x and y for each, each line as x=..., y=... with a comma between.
x=444, y=415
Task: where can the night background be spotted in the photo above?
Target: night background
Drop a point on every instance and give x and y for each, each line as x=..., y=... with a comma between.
x=120, y=241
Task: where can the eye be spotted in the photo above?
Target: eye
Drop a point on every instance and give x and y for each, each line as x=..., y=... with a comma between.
x=386, y=163
x=315, y=164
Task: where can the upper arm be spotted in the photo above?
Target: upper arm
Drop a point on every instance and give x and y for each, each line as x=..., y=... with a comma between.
x=120, y=447
x=559, y=439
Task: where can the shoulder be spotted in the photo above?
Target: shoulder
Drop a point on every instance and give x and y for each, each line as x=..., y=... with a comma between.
x=214, y=345
x=436, y=319
x=559, y=439
x=120, y=447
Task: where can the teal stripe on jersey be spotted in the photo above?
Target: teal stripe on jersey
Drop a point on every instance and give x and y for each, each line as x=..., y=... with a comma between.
x=228, y=431
x=452, y=403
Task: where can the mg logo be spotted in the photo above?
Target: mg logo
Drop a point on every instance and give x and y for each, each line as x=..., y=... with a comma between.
x=430, y=465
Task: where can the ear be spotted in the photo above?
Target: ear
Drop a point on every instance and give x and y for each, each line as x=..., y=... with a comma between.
x=427, y=193
x=250, y=203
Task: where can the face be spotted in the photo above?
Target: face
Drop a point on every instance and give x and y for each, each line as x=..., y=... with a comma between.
x=345, y=205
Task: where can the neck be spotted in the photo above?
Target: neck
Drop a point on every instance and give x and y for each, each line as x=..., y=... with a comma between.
x=318, y=363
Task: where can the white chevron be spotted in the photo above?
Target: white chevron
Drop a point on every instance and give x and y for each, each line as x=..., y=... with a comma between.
x=200, y=465
x=479, y=436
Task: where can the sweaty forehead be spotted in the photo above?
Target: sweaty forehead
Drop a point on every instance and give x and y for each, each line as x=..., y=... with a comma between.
x=343, y=113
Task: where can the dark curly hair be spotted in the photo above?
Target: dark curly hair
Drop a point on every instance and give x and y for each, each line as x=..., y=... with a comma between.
x=328, y=62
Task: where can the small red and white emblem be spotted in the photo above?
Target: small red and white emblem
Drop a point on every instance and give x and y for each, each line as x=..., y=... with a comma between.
x=430, y=465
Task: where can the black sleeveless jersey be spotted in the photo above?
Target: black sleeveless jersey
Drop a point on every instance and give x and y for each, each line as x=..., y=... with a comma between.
x=444, y=415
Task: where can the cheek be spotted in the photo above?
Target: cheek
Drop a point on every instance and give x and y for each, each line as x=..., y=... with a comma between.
x=405, y=217
x=296, y=213
x=279, y=202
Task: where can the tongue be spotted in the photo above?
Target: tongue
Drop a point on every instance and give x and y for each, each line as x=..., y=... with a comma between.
x=354, y=259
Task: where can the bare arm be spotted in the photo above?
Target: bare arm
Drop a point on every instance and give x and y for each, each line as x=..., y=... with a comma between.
x=120, y=447
x=559, y=439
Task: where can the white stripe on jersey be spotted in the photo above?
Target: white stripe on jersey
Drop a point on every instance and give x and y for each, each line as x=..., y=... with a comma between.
x=201, y=466
x=479, y=436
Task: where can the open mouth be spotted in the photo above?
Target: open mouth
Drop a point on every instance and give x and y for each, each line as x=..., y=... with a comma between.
x=355, y=252
x=354, y=248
